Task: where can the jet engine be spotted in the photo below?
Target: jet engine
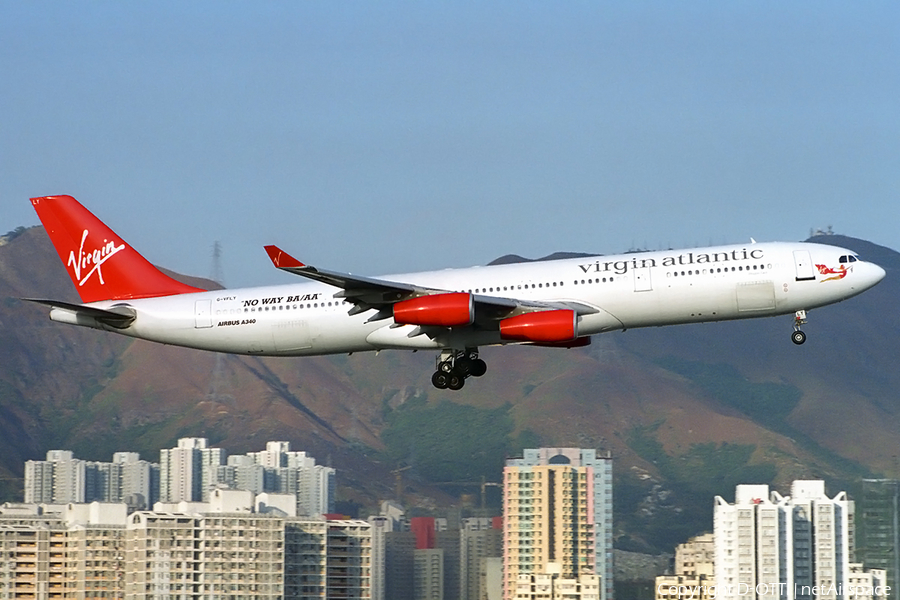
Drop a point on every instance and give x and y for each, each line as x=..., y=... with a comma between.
x=545, y=326
x=443, y=310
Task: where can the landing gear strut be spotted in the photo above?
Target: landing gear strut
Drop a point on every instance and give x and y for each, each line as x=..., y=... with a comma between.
x=454, y=366
x=798, y=337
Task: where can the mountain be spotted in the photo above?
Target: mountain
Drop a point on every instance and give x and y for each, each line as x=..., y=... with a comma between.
x=687, y=412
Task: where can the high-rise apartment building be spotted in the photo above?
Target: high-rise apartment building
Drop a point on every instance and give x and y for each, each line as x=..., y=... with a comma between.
x=379, y=526
x=480, y=538
x=696, y=557
x=139, y=481
x=799, y=546
x=557, y=517
x=348, y=559
x=59, y=479
x=280, y=470
x=32, y=555
x=551, y=585
x=63, y=478
x=428, y=574
x=188, y=472
x=694, y=571
x=39, y=481
x=227, y=550
x=428, y=557
x=242, y=473
x=879, y=528
x=399, y=552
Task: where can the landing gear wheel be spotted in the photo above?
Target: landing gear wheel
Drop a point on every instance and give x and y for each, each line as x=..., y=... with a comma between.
x=478, y=368
x=464, y=366
x=798, y=337
x=440, y=380
x=456, y=382
x=452, y=368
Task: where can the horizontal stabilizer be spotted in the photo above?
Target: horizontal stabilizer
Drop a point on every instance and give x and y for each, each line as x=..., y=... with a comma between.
x=119, y=317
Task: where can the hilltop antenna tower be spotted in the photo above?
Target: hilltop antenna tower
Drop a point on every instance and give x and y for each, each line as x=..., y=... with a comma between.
x=218, y=380
x=216, y=269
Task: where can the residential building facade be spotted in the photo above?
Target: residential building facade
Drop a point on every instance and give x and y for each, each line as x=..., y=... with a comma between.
x=557, y=510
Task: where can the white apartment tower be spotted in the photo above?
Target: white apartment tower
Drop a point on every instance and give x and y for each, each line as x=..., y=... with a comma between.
x=188, y=472
x=62, y=479
x=783, y=546
x=823, y=533
x=379, y=526
x=59, y=479
x=285, y=472
x=38, y=481
x=136, y=480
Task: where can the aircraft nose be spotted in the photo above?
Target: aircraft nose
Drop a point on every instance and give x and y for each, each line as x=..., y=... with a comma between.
x=875, y=273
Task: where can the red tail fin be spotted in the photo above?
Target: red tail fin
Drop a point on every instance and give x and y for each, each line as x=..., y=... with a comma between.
x=101, y=265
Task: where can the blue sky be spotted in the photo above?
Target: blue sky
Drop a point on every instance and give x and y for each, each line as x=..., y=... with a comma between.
x=392, y=137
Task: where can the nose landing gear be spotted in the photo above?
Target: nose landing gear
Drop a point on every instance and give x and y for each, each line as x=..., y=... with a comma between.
x=798, y=337
x=454, y=366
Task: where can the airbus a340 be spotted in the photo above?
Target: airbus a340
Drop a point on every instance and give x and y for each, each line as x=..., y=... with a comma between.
x=557, y=303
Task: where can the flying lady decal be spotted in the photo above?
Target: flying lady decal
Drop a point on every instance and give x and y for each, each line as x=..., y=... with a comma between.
x=838, y=273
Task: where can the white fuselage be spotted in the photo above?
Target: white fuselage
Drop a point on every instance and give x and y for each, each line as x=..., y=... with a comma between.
x=623, y=292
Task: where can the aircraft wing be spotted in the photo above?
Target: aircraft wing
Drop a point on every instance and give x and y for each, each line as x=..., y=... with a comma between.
x=368, y=293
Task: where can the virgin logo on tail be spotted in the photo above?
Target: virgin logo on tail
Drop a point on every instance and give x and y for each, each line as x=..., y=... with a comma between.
x=94, y=258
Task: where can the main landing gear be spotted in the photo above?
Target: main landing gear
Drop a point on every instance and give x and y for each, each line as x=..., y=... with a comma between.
x=454, y=366
x=798, y=337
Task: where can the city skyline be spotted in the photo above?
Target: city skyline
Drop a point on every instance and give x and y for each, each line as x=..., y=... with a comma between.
x=188, y=473
x=802, y=545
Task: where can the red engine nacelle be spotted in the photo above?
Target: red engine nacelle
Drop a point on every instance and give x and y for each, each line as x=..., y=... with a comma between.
x=443, y=310
x=552, y=326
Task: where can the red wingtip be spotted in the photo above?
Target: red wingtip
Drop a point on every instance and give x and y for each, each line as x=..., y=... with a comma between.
x=282, y=259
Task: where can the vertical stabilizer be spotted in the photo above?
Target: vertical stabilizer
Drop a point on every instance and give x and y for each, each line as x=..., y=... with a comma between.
x=102, y=266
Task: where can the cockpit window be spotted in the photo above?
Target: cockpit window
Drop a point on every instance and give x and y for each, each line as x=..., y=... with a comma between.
x=848, y=259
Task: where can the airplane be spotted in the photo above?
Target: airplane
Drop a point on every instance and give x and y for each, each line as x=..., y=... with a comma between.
x=558, y=303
